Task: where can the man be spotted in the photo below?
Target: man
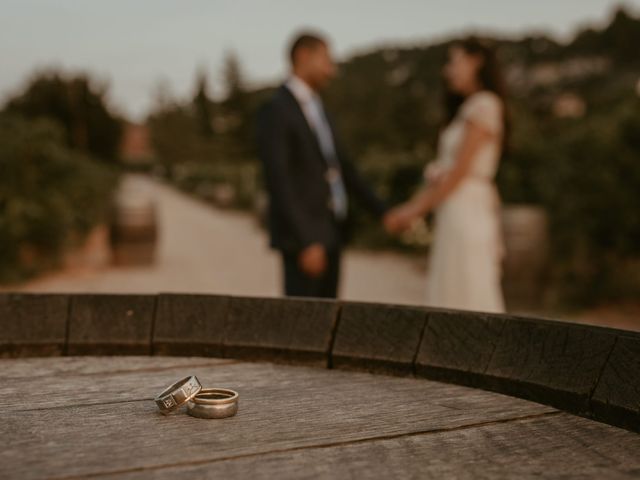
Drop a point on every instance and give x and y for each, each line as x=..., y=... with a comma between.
x=309, y=178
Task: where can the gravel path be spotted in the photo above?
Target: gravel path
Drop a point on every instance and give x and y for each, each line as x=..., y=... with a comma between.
x=206, y=250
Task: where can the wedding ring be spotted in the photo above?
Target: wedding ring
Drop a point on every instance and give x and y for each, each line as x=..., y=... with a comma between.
x=178, y=394
x=213, y=403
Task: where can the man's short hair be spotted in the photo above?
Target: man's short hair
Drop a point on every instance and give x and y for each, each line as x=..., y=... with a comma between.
x=305, y=40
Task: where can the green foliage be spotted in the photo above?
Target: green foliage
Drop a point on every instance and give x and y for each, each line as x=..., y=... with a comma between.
x=50, y=197
x=396, y=176
x=78, y=105
x=205, y=165
x=619, y=40
x=209, y=181
x=175, y=136
x=593, y=195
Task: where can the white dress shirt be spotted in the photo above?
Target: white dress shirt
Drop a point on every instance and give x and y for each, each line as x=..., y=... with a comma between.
x=313, y=110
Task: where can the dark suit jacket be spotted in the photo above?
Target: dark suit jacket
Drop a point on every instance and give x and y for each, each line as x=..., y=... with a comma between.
x=299, y=196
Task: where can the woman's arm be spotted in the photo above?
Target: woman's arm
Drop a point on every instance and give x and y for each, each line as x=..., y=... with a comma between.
x=475, y=137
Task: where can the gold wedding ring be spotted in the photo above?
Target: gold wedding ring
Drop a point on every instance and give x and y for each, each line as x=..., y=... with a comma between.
x=213, y=403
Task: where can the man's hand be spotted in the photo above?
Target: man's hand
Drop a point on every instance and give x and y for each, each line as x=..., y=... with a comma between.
x=397, y=220
x=313, y=260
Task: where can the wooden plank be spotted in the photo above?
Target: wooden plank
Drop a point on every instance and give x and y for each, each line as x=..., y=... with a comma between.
x=32, y=324
x=280, y=329
x=102, y=387
x=281, y=407
x=457, y=346
x=378, y=337
x=561, y=446
x=34, y=368
x=617, y=396
x=554, y=363
x=110, y=324
x=118, y=386
x=190, y=325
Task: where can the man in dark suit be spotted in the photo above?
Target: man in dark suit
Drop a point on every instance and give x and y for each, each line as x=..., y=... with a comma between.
x=309, y=178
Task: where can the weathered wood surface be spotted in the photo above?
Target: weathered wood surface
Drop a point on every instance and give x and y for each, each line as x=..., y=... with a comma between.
x=110, y=324
x=378, y=337
x=458, y=344
x=562, y=362
x=617, y=397
x=100, y=380
x=33, y=325
x=46, y=367
x=82, y=417
x=275, y=328
x=558, y=363
x=561, y=446
x=586, y=370
x=267, y=328
x=190, y=324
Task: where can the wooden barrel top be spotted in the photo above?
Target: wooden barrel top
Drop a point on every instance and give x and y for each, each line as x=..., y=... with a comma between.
x=328, y=389
x=89, y=417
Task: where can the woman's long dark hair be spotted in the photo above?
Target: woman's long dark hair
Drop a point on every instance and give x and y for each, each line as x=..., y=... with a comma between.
x=489, y=77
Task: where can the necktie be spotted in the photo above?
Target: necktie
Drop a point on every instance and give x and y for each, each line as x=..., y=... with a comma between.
x=339, y=201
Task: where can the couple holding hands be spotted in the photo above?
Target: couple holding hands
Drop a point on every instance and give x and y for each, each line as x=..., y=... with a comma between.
x=311, y=181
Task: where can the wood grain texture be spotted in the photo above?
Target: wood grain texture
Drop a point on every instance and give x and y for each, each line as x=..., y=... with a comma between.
x=559, y=446
x=378, y=337
x=458, y=346
x=32, y=324
x=555, y=363
x=280, y=329
x=34, y=368
x=71, y=427
x=617, y=397
x=190, y=324
x=110, y=324
x=99, y=389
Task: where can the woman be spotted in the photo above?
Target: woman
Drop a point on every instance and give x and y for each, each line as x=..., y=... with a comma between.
x=466, y=254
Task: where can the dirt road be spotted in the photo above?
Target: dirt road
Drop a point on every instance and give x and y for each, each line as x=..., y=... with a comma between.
x=207, y=250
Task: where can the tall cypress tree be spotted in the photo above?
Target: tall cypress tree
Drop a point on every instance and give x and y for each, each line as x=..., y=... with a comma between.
x=203, y=105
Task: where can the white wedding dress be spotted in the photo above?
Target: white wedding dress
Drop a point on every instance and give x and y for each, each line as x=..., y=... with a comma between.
x=467, y=249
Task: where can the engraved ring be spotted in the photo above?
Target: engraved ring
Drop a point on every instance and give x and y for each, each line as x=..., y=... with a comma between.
x=213, y=403
x=178, y=394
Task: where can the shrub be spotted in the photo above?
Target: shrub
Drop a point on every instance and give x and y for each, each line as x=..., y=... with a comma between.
x=50, y=197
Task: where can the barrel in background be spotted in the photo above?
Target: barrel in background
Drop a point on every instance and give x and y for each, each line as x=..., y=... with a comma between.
x=134, y=226
x=526, y=237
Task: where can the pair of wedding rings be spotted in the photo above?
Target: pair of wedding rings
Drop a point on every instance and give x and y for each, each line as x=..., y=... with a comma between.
x=201, y=402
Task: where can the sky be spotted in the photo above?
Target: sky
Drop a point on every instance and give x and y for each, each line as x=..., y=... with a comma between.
x=137, y=45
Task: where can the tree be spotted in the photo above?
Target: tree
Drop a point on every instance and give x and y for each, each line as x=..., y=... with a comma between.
x=203, y=105
x=174, y=132
x=50, y=196
x=234, y=84
x=236, y=105
x=79, y=105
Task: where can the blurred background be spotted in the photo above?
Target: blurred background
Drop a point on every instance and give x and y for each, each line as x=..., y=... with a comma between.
x=127, y=159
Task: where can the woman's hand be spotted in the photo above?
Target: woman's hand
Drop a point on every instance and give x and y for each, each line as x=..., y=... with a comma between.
x=399, y=219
